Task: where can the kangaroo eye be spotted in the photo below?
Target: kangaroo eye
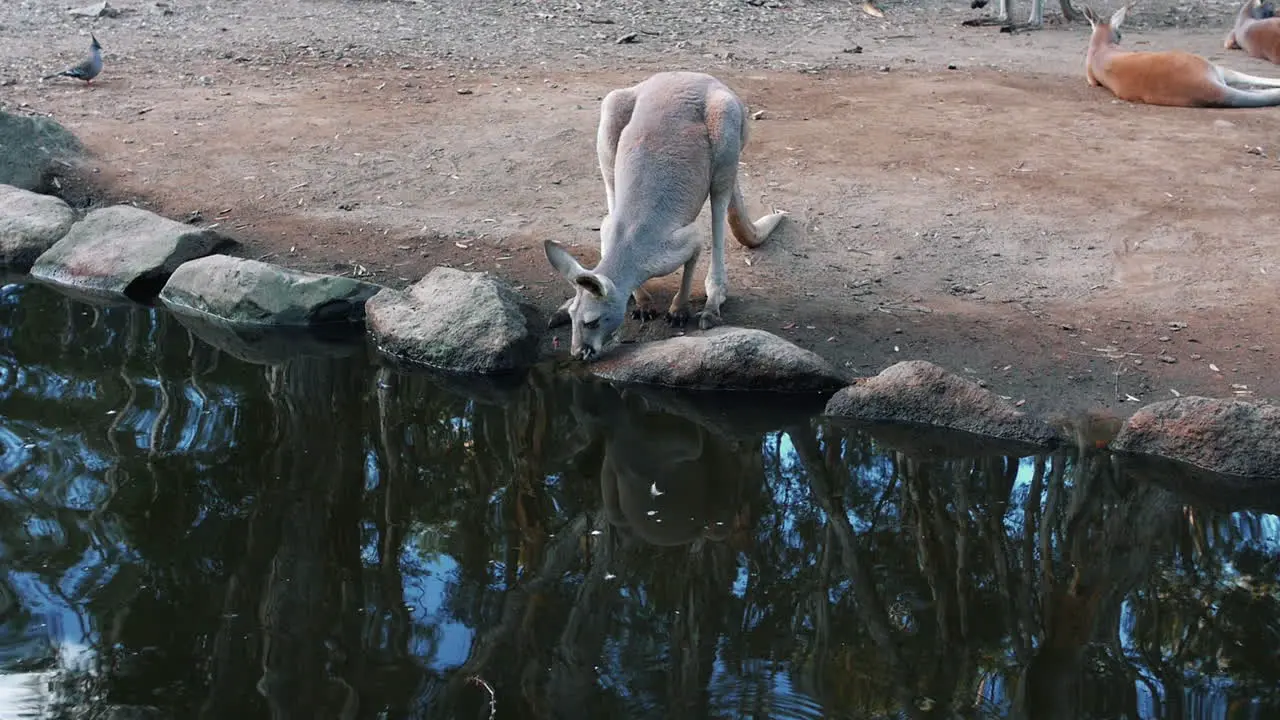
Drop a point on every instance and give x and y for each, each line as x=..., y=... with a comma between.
x=592, y=325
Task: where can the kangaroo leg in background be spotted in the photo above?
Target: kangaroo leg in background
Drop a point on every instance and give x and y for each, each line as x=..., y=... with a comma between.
x=1002, y=16
x=1233, y=77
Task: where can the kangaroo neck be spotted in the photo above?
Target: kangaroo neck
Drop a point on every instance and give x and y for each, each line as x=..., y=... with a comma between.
x=1100, y=48
x=631, y=240
x=1245, y=16
x=622, y=257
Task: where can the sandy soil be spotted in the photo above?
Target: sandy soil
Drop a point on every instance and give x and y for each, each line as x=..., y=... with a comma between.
x=1001, y=218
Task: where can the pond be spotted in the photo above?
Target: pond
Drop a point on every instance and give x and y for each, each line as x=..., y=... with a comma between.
x=196, y=532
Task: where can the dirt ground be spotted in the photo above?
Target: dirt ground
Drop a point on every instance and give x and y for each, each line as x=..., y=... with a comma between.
x=956, y=194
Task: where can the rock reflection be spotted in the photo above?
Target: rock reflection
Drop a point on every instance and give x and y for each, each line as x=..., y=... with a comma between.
x=191, y=533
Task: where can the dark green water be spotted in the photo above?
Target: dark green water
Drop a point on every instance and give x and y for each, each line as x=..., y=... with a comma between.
x=185, y=534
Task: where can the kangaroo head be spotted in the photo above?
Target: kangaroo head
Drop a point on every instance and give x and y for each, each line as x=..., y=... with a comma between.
x=1107, y=33
x=598, y=309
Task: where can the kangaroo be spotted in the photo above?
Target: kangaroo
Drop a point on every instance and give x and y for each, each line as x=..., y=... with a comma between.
x=665, y=145
x=1173, y=78
x=1257, y=31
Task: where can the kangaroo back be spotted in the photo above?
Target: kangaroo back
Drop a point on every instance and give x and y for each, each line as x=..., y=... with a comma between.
x=663, y=166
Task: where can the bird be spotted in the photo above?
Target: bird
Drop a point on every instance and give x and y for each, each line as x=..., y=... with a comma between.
x=86, y=70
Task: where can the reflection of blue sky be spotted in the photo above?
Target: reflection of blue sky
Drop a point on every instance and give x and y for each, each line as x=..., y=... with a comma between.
x=425, y=588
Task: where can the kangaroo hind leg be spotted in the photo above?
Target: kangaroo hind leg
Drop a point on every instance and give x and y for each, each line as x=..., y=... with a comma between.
x=1233, y=77
x=726, y=125
x=615, y=113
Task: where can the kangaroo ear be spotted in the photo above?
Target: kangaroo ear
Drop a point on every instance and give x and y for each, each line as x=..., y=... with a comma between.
x=596, y=284
x=1091, y=16
x=562, y=261
x=592, y=284
x=1117, y=18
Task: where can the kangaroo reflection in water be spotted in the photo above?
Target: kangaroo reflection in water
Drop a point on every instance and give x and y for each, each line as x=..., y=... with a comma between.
x=667, y=479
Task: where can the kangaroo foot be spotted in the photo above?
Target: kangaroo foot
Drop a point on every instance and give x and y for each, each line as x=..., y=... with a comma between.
x=678, y=317
x=985, y=22
x=644, y=313
x=708, y=319
x=560, y=317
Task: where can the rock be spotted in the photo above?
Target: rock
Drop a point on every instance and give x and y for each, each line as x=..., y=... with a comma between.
x=921, y=393
x=100, y=9
x=124, y=252
x=248, y=292
x=456, y=321
x=1231, y=437
x=30, y=223
x=34, y=151
x=723, y=358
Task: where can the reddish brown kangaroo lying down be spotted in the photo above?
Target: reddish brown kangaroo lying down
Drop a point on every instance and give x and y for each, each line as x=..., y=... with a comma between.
x=1257, y=31
x=1174, y=77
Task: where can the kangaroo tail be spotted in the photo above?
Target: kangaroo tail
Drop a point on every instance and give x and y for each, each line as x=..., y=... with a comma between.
x=744, y=231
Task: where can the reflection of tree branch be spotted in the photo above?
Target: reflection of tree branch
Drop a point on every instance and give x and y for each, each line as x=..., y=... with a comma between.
x=391, y=521
x=870, y=607
x=571, y=677
x=1025, y=608
x=558, y=558
x=1048, y=521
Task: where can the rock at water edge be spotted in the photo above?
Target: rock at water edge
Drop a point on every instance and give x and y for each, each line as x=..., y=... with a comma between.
x=921, y=393
x=249, y=292
x=124, y=252
x=456, y=321
x=723, y=358
x=1232, y=437
x=30, y=223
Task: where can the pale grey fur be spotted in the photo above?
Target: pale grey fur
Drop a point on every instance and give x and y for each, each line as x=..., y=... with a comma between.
x=664, y=145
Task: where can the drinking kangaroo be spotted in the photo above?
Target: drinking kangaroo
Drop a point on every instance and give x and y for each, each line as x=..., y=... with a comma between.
x=1167, y=78
x=664, y=146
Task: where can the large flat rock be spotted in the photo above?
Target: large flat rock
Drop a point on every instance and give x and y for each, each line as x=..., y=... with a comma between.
x=30, y=223
x=249, y=292
x=1233, y=437
x=34, y=151
x=124, y=252
x=723, y=358
x=456, y=321
x=920, y=393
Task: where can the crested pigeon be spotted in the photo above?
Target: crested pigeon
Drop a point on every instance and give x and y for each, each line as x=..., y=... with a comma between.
x=86, y=70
